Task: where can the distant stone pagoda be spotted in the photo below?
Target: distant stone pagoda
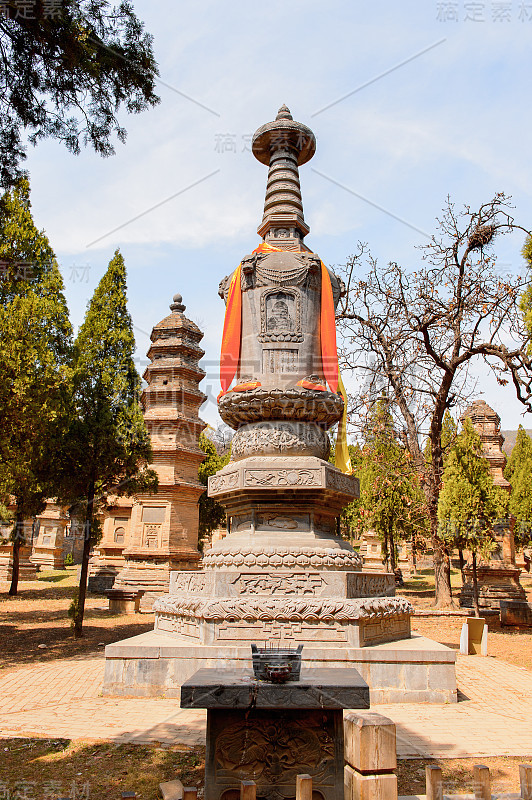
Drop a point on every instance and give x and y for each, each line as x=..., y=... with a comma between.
x=27, y=570
x=148, y=536
x=48, y=543
x=499, y=579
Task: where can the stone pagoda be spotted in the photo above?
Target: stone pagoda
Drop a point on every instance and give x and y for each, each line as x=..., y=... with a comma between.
x=27, y=570
x=48, y=543
x=281, y=575
x=152, y=535
x=499, y=579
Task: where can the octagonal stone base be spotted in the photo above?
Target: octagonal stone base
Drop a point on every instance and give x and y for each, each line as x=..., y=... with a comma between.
x=229, y=608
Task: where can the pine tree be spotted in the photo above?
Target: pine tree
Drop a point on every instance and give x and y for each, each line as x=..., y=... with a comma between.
x=66, y=72
x=211, y=513
x=35, y=353
x=110, y=446
x=518, y=471
x=469, y=503
x=391, y=501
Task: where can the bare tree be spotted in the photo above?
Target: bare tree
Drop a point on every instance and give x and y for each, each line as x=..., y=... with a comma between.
x=415, y=333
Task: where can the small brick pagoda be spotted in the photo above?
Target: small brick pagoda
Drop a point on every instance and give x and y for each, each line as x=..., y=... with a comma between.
x=48, y=543
x=499, y=579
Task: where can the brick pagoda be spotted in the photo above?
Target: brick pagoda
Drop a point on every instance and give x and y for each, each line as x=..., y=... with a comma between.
x=151, y=535
x=499, y=579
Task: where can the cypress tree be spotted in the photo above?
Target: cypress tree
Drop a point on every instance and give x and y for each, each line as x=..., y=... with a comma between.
x=391, y=501
x=110, y=446
x=519, y=472
x=469, y=503
x=211, y=513
x=35, y=353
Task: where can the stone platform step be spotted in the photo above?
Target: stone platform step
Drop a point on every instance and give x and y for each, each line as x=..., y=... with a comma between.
x=416, y=670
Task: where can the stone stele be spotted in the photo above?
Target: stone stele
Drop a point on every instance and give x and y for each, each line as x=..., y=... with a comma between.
x=282, y=574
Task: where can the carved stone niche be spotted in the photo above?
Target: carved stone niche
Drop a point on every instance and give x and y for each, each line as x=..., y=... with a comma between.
x=280, y=315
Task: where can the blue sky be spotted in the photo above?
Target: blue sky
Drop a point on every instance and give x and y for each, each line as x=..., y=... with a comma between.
x=454, y=119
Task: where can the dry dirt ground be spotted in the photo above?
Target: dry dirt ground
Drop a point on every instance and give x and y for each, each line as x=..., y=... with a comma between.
x=43, y=769
x=513, y=645
x=49, y=769
x=39, y=615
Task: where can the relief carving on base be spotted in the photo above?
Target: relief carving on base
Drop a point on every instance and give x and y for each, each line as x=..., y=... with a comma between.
x=295, y=583
x=220, y=483
x=282, y=477
x=276, y=749
x=280, y=438
x=276, y=558
x=190, y=582
x=341, y=482
x=372, y=585
x=380, y=630
x=274, y=630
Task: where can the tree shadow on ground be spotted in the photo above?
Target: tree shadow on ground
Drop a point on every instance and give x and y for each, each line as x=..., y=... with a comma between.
x=408, y=592
x=21, y=645
x=49, y=614
x=40, y=592
x=64, y=768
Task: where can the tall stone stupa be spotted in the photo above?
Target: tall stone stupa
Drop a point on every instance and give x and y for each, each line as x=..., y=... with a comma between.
x=282, y=575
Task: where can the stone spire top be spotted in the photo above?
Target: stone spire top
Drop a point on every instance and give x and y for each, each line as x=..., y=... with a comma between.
x=283, y=145
x=177, y=305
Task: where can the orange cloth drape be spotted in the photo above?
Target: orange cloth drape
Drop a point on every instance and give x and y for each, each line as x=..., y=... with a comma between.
x=230, y=354
x=267, y=248
x=329, y=356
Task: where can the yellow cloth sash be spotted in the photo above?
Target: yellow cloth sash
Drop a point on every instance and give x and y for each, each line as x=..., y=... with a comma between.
x=342, y=459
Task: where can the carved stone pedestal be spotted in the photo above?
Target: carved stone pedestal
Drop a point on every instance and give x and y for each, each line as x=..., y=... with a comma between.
x=271, y=733
x=226, y=608
x=123, y=602
x=282, y=513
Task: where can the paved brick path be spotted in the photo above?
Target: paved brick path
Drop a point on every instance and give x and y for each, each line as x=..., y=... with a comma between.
x=61, y=699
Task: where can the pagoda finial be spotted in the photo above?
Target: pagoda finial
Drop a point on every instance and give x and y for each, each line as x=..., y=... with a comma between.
x=284, y=113
x=283, y=145
x=177, y=305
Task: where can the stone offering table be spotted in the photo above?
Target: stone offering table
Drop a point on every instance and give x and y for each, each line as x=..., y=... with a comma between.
x=270, y=733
